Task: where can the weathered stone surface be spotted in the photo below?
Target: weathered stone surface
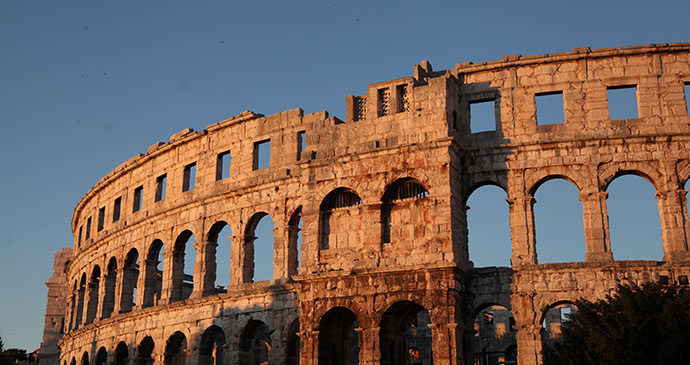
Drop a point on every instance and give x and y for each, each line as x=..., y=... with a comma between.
x=382, y=200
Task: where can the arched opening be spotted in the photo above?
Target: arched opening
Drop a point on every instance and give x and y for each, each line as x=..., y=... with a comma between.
x=94, y=288
x=292, y=344
x=144, y=352
x=176, y=349
x=220, y=234
x=493, y=340
x=85, y=358
x=182, y=264
x=121, y=354
x=130, y=276
x=80, y=301
x=405, y=337
x=340, y=220
x=212, y=346
x=110, y=281
x=255, y=344
x=634, y=224
x=400, y=211
x=338, y=340
x=488, y=227
x=552, y=321
x=73, y=362
x=258, y=249
x=295, y=242
x=153, y=280
x=560, y=234
x=73, y=307
x=102, y=356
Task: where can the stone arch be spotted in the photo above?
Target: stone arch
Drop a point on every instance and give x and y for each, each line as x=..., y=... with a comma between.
x=337, y=216
x=153, y=278
x=683, y=171
x=212, y=346
x=487, y=225
x=130, y=276
x=396, y=210
x=294, y=241
x=474, y=187
x=552, y=319
x=176, y=349
x=101, y=356
x=405, y=334
x=144, y=352
x=567, y=214
x=94, y=289
x=85, y=358
x=74, y=361
x=121, y=354
x=255, y=344
x=493, y=333
x=292, y=343
x=210, y=258
x=539, y=178
x=182, y=284
x=338, y=339
x=110, y=281
x=249, y=262
x=611, y=171
x=81, y=293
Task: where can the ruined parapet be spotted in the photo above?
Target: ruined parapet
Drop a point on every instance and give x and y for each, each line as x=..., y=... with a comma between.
x=54, y=325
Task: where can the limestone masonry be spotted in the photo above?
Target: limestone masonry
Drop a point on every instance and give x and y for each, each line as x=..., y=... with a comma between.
x=381, y=273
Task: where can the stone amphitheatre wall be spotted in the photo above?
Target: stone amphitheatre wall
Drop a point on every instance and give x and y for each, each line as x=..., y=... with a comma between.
x=381, y=198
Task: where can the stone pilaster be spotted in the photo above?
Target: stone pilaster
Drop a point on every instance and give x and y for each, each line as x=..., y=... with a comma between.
x=596, y=226
x=674, y=224
x=205, y=269
x=522, y=231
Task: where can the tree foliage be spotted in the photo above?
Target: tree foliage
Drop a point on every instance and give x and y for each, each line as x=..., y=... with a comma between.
x=10, y=356
x=648, y=324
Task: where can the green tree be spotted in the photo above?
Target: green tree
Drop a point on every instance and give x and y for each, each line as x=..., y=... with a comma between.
x=10, y=356
x=648, y=324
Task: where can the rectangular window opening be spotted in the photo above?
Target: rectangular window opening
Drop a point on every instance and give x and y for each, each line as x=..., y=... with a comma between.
x=403, y=99
x=550, y=108
x=384, y=102
x=223, y=165
x=262, y=154
x=101, y=218
x=116, y=209
x=81, y=229
x=622, y=102
x=88, y=229
x=301, y=144
x=687, y=97
x=189, y=178
x=160, y=187
x=138, y=192
x=483, y=116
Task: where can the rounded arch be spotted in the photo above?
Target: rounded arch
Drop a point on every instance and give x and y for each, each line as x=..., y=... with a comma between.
x=130, y=276
x=338, y=339
x=95, y=273
x=405, y=334
x=258, y=264
x=486, y=212
x=110, y=281
x=144, y=351
x=154, y=249
x=182, y=238
x=295, y=241
x=404, y=188
x=255, y=343
x=85, y=358
x=494, y=334
x=480, y=308
x=212, y=235
x=153, y=276
x=218, y=256
x=683, y=169
x=334, y=209
x=101, y=356
x=481, y=184
x=93, y=289
x=611, y=171
x=74, y=361
x=121, y=353
x=176, y=349
x=182, y=263
x=341, y=197
x=552, y=319
x=292, y=344
x=211, y=346
x=536, y=177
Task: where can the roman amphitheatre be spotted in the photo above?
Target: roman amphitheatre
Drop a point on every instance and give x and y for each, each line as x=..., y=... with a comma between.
x=370, y=261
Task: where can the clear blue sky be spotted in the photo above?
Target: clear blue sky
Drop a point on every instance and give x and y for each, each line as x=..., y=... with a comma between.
x=85, y=85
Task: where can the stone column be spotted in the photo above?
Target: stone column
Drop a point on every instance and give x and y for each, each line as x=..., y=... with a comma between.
x=246, y=259
x=292, y=254
x=369, y=345
x=522, y=231
x=204, y=269
x=444, y=343
x=596, y=226
x=309, y=347
x=117, y=305
x=236, y=261
x=127, y=284
x=673, y=215
x=101, y=296
x=166, y=278
x=280, y=250
x=88, y=289
x=529, y=344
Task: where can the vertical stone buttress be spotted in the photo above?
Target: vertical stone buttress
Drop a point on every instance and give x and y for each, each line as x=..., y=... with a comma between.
x=595, y=219
x=56, y=308
x=673, y=214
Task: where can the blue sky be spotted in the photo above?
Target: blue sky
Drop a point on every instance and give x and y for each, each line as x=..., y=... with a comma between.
x=85, y=85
